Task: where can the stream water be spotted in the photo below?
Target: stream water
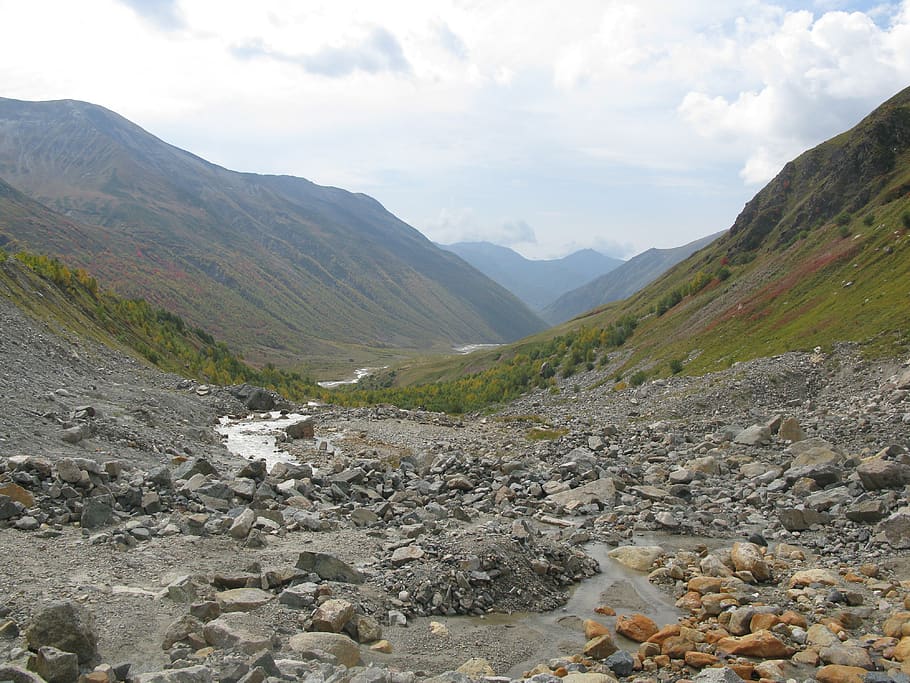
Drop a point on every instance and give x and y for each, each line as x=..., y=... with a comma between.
x=255, y=437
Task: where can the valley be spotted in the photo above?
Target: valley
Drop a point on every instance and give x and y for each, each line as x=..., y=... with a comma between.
x=254, y=429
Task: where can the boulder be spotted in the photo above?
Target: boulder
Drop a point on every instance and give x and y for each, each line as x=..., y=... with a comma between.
x=762, y=644
x=339, y=646
x=328, y=567
x=836, y=673
x=332, y=615
x=242, y=524
x=721, y=675
x=878, y=473
x=302, y=429
x=756, y=435
x=238, y=631
x=242, y=599
x=16, y=674
x=748, y=557
x=18, y=494
x=188, y=674
x=638, y=557
x=600, y=647
x=790, y=430
x=896, y=528
x=599, y=492
x=408, y=553
x=56, y=666
x=636, y=627
x=96, y=512
x=65, y=625
x=800, y=519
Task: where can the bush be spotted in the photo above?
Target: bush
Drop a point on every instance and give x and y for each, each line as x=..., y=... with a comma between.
x=638, y=378
x=844, y=219
x=676, y=366
x=844, y=231
x=723, y=273
x=869, y=219
x=906, y=219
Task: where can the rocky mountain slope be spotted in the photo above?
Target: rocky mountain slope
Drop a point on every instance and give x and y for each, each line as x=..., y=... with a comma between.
x=621, y=282
x=537, y=282
x=277, y=265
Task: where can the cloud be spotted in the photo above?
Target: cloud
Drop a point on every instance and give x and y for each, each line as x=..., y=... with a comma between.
x=376, y=52
x=450, y=41
x=463, y=225
x=162, y=13
x=814, y=78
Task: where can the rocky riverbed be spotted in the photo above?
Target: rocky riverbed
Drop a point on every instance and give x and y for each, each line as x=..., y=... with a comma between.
x=752, y=523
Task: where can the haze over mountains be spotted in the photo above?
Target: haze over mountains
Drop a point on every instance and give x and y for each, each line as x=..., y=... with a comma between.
x=536, y=282
x=276, y=265
x=620, y=282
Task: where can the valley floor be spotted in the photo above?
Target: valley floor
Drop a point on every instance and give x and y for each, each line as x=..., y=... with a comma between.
x=759, y=512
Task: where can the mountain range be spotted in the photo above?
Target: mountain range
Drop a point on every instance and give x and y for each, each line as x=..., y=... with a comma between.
x=620, y=282
x=278, y=266
x=537, y=282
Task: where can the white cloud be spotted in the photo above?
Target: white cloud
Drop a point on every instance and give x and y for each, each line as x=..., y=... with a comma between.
x=445, y=103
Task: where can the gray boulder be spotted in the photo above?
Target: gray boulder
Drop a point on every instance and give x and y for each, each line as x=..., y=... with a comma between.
x=67, y=626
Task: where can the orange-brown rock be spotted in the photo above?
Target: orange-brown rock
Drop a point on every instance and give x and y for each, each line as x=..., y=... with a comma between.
x=762, y=644
x=600, y=647
x=794, y=618
x=902, y=650
x=705, y=584
x=715, y=603
x=699, y=660
x=854, y=578
x=809, y=657
x=664, y=633
x=636, y=627
x=837, y=673
x=744, y=671
x=715, y=634
x=606, y=610
x=595, y=628
x=893, y=626
x=646, y=650
x=662, y=661
x=18, y=494
x=676, y=647
x=748, y=557
x=690, y=601
x=763, y=622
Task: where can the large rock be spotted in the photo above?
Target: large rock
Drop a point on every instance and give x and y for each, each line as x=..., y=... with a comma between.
x=600, y=647
x=896, y=528
x=341, y=647
x=762, y=644
x=242, y=524
x=328, y=567
x=332, y=615
x=800, y=519
x=790, y=430
x=878, y=473
x=599, y=491
x=56, y=666
x=16, y=674
x=18, y=494
x=303, y=429
x=242, y=599
x=636, y=627
x=721, y=675
x=408, y=553
x=65, y=625
x=837, y=673
x=748, y=557
x=189, y=674
x=756, y=435
x=638, y=557
x=238, y=631
x=96, y=512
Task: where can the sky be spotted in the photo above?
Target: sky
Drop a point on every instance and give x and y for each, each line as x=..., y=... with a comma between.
x=544, y=126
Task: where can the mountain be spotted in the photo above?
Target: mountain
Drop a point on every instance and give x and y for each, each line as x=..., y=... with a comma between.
x=621, y=282
x=276, y=265
x=819, y=257
x=536, y=282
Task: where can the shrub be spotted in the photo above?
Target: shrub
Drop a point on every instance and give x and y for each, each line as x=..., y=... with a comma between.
x=844, y=231
x=676, y=366
x=905, y=219
x=869, y=219
x=638, y=378
x=844, y=218
x=723, y=273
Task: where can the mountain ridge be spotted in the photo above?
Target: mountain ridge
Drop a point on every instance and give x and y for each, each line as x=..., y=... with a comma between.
x=621, y=282
x=537, y=282
x=319, y=269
